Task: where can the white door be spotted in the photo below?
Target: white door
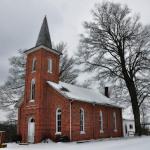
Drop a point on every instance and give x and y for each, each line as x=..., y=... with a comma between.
x=31, y=130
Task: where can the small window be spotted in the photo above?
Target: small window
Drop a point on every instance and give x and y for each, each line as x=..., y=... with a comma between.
x=115, y=121
x=34, y=65
x=32, y=95
x=101, y=122
x=58, y=121
x=131, y=126
x=82, y=121
x=49, y=65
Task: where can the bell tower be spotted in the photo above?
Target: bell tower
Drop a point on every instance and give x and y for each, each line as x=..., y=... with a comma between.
x=42, y=65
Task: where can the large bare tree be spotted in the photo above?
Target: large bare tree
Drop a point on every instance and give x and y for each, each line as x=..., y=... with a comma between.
x=116, y=46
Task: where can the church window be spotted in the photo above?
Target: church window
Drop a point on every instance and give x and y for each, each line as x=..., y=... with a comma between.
x=101, y=122
x=115, y=121
x=32, y=95
x=50, y=65
x=58, y=121
x=34, y=65
x=82, y=121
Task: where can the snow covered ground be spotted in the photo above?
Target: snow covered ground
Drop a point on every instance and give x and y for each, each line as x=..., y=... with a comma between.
x=137, y=143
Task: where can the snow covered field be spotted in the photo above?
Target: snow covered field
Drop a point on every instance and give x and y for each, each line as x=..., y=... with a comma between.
x=140, y=143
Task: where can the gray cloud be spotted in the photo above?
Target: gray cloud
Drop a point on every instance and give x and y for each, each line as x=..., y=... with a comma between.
x=20, y=22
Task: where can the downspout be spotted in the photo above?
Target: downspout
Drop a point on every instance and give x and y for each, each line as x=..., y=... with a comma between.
x=94, y=120
x=71, y=120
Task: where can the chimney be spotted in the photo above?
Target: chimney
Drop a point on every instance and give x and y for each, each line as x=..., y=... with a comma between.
x=106, y=92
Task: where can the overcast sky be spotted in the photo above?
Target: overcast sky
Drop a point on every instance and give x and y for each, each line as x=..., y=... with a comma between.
x=20, y=22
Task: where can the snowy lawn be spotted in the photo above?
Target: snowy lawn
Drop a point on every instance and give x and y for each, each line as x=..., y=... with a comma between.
x=137, y=143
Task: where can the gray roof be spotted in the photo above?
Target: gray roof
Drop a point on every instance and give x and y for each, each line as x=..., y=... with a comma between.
x=44, y=36
x=82, y=94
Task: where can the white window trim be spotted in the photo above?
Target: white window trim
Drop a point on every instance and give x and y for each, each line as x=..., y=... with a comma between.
x=57, y=132
x=32, y=81
x=101, y=122
x=49, y=68
x=33, y=64
x=82, y=132
x=115, y=121
x=32, y=100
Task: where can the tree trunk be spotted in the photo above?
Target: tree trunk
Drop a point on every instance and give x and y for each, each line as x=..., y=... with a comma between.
x=133, y=95
x=135, y=107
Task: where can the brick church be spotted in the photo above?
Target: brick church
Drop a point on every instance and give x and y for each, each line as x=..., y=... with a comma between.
x=51, y=108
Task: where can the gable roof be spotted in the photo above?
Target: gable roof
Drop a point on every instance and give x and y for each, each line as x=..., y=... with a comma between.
x=81, y=94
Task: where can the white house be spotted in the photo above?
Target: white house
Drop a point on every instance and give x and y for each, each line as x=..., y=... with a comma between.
x=128, y=127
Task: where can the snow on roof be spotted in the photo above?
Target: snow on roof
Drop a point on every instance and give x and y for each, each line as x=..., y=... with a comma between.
x=82, y=94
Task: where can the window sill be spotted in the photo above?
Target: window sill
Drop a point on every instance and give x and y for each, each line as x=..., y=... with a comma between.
x=49, y=72
x=82, y=132
x=33, y=71
x=115, y=130
x=101, y=131
x=32, y=100
x=58, y=133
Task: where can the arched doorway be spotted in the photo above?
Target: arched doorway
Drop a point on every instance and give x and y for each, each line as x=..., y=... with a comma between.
x=31, y=130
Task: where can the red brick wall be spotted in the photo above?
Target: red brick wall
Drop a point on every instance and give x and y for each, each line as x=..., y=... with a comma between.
x=55, y=101
x=38, y=108
x=92, y=127
x=92, y=124
x=47, y=100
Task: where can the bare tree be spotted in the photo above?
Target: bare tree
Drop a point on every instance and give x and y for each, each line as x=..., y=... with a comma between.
x=67, y=73
x=116, y=46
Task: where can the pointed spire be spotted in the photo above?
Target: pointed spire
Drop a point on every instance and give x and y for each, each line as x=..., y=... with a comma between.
x=44, y=36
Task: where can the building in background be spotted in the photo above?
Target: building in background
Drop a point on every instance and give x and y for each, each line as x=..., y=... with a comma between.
x=128, y=127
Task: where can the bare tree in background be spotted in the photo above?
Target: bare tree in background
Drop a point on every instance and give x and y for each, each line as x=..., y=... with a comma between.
x=116, y=46
x=13, y=89
x=67, y=73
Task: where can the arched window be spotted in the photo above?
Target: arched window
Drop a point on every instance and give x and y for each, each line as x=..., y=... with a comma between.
x=82, y=121
x=58, y=121
x=101, y=122
x=49, y=66
x=115, y=121
x=34, y=65
x=32, y=94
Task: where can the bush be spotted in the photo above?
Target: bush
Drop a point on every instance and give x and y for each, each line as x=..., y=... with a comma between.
x=17, y=138
x=61, y=138
x=11, y=131
x=145, y=131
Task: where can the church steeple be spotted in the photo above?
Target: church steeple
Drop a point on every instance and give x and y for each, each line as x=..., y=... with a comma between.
x=44, y=36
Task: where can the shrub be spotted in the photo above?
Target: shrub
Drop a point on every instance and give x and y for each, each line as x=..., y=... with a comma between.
x=62, y=138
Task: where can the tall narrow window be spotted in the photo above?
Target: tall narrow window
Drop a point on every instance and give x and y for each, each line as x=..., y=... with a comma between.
x=49, y=65
x=115, y=121
x=34, y=65
x=82, y=121
x=32, y=94
x=58, y=121
x=101, y=122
